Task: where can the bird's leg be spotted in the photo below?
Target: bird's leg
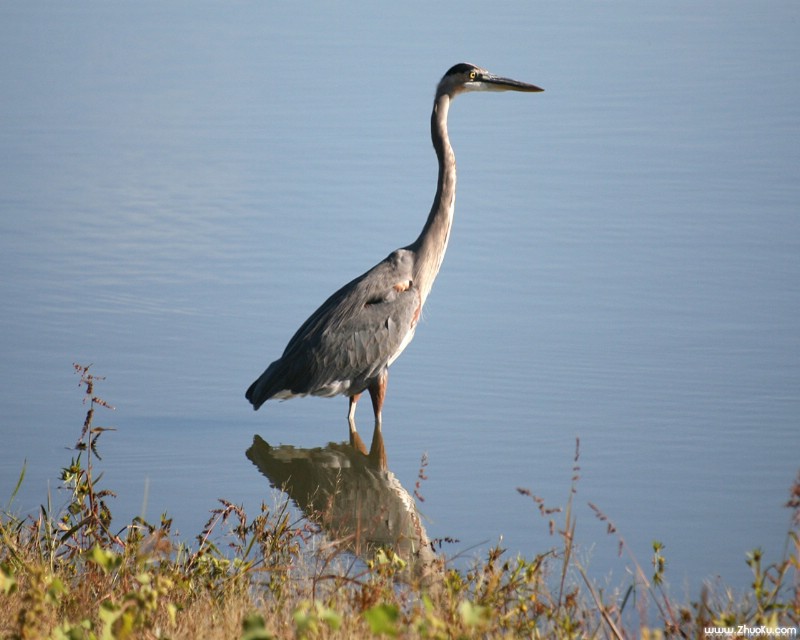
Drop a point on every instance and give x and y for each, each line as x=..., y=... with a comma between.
x=377, y=393
x=355, y=440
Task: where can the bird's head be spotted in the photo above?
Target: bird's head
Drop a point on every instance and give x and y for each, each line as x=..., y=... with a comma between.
x=467, y=77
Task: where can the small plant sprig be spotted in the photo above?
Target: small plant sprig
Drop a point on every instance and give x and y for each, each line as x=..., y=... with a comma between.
x=435, y=543
x=421, y=477
x=89, y=433
x=269, y=544
x=87, y=519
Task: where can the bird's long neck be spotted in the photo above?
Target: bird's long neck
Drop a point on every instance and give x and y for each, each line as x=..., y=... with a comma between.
x=431, y=244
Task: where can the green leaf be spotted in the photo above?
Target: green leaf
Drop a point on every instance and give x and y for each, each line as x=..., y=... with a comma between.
x=304, y=622
x=382, y=619
x=329, y=617
x=117, y=622
x=55, y=590
x=473, y=614
x=253, y=628
x=17, y=487
x=68, y=631
x=107, y=560
x=8, y=581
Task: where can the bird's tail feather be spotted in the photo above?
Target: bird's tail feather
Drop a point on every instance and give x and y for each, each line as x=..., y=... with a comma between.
x=266, y=386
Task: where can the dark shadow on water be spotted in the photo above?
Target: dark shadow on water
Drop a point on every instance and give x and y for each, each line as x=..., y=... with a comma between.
x=353, y=496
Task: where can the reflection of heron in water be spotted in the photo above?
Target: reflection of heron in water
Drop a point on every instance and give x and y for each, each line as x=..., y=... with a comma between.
x=347, y=345
x=353, y=497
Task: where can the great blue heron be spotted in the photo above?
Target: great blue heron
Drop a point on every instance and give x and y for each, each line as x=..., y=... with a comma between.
x=348, y=344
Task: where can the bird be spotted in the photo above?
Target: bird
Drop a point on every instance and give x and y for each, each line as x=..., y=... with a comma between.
x=348, y=344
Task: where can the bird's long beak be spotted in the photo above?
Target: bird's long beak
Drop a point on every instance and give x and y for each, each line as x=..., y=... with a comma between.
x=496, y=83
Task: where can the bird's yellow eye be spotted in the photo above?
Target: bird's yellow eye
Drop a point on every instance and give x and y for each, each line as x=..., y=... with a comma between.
x=472, y=74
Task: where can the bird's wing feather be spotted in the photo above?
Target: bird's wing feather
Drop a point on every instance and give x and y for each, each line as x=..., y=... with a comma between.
x=356, y=331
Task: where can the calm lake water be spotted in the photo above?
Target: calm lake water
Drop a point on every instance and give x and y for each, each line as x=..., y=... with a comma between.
x=182, y=185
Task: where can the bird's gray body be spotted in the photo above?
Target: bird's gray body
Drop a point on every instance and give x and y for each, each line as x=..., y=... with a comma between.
x=347, y=345
x=351, y=339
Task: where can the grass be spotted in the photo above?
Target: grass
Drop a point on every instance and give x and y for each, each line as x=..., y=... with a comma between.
x=73, y=574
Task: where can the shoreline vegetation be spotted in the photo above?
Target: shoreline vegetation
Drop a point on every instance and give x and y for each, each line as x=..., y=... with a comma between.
x=75, y=574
